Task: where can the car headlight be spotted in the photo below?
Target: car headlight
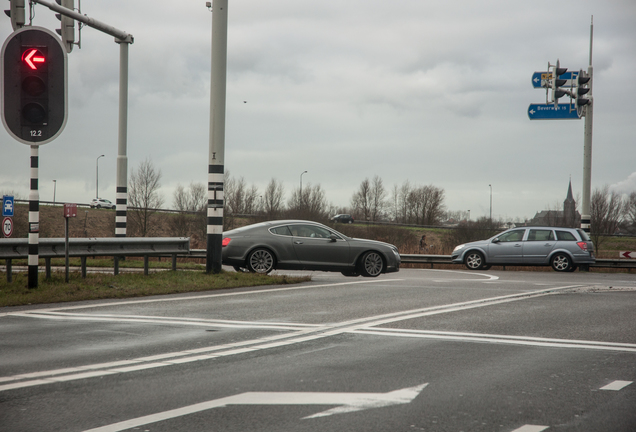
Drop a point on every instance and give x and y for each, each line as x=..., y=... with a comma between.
x=461, y=246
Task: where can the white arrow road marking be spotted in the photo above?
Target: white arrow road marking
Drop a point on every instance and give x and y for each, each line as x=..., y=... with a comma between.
x=349, y=402
x=531, y=428
x=616, y=385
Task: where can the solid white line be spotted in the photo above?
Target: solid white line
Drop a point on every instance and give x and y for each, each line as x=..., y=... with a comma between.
x=502, y=339
x=616, y=385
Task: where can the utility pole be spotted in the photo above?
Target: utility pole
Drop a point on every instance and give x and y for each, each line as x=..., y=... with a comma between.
x=586, y=218
x=216, y=168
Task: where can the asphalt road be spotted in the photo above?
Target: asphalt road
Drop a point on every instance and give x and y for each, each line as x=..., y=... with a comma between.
x=418, y=350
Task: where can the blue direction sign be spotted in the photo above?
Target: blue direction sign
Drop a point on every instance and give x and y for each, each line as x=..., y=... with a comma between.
x=540, y=79
x=550, y=112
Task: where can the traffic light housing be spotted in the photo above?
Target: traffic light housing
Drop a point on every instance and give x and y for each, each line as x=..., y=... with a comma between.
x=557, y=83
x=67, y=25
x=16, y=13
x=34, y=95
x=581, y=88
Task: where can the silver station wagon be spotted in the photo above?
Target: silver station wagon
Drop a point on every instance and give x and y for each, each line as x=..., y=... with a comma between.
x=562, y=248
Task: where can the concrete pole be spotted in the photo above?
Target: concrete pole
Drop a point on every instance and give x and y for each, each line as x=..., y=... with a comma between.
x=122, y=146
x=34, y=219
x=216, y=168
x=586, y=217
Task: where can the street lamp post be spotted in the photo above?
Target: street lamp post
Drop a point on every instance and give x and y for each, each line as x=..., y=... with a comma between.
x=97, y=176
x=490, y=202
x=300, y=198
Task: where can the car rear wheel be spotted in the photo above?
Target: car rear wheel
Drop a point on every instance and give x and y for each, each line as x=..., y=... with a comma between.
x=260, y=261
x=475, y=261
x=371, y=264
x=561, y=263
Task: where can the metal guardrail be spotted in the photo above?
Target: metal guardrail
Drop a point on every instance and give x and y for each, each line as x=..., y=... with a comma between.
x=116, y=247
x=446, y=259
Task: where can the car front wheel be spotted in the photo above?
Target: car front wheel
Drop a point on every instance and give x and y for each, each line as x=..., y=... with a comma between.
x=260, y=261
x=561, y=263
x=371, y=264
x=475, y=261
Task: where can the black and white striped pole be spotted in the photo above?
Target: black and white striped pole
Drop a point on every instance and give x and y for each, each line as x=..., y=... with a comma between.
x=216, y=167
x=34, y=219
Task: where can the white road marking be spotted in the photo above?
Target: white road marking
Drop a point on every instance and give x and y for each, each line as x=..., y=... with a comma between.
x=531, y=428
x=490, y=338
x=616, y=385
x=206, y=353
x=349, y=402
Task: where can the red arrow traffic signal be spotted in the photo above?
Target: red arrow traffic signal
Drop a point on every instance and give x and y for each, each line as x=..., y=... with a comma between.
x=31, y=57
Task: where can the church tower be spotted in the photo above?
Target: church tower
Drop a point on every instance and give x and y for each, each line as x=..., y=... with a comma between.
x=569, y=209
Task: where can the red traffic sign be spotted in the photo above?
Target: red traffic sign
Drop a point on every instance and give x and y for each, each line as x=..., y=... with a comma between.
x=627, y=254
x=70, y=210
x=7, y=226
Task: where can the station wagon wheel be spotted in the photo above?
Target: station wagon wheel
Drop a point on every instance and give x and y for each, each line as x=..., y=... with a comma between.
x=260, y=261
x=371, y=264
x=561, y=262
x=475, y=261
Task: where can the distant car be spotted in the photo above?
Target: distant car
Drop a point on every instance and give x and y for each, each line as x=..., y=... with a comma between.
x=305, y=245
x=102, y=203
x=342, y=218
x=562, y=248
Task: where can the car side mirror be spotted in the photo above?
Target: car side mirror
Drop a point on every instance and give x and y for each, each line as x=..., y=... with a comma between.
x=333, y=237
x=495, y=240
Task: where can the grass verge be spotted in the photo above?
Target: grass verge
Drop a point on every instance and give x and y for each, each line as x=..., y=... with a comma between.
x=125, y=285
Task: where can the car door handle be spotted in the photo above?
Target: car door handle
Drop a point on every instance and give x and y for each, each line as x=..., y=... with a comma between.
x=298, y=242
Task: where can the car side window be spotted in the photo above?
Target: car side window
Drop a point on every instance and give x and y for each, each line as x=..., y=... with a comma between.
x=540, y=235
x=309, y=231
x=512, y=236
x=565, y=235
x=281, y=230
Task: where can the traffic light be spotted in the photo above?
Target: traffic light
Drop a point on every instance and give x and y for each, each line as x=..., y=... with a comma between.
x=67, y=25
x=16, y=13
x=34, y=75
x=581, y=88
x=557, y=83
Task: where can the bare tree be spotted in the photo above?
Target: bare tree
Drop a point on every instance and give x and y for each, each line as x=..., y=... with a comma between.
x=192, y=200
x=273, y=204
x=143, y=195
x=311, y=205
x=361, y=200
x=378, y=198
x=607, y=209
x=630, y=211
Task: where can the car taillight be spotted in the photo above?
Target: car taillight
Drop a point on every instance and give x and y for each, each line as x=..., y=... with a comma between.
x=582, y=245
x=226, y=241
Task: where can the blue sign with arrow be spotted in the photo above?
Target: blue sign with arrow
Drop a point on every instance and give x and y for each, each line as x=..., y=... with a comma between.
x=539, y=79
x=550, y=112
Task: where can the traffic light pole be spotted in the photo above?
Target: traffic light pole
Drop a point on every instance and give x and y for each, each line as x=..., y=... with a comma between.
x=586, y=218
x=216, y=167
x=124, y=40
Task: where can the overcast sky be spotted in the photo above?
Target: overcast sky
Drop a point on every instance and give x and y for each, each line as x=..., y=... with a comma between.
x=429, y=92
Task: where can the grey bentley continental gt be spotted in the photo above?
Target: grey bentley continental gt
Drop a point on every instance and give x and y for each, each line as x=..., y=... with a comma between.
x=305, y=245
